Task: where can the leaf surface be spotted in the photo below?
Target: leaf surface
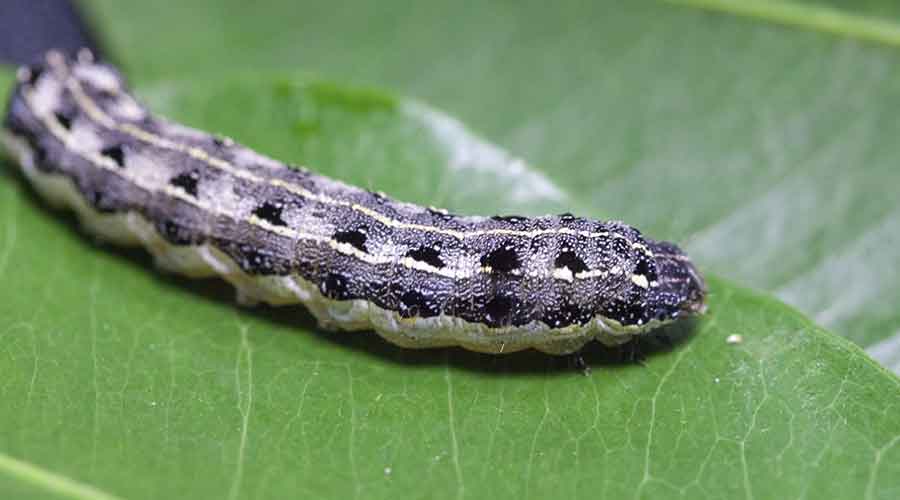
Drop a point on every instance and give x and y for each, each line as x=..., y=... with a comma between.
x=130, y=383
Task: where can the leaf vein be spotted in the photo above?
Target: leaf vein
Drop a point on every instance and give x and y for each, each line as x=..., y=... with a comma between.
x=810, y=17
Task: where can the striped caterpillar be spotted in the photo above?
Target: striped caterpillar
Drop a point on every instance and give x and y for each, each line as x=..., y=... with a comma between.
x=420, y=277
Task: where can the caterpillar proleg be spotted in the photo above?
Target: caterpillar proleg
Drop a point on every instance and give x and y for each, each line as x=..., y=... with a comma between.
x=420, y=277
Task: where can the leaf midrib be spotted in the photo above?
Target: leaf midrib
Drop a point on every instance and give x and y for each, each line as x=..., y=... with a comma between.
x=51, y=481
x=805, y=16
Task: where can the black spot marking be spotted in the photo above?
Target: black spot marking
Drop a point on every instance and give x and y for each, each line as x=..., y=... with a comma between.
x=441, y=214
x=503, y=259
x=115, y=153
x=413, y=303
x=299, y=170
x=645, y=267
x=380, y=198
x=100, y=201
x=34, y=74
x=428, y=255
x=174, y=233
x=187, y=182
x=270, y=212
x=64, y=119
x=40, y=155
x=564, y=315
x=512, y=219
x=355, y=238
x=573, y=262
x=334, y=286
x=566, y=217
x=498, y=311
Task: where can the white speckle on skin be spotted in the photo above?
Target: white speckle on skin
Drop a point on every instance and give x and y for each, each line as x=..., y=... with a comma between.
x=640, y=280
x=563, y=273
x=98, y=76
x=128, y=109
x=84, y=138
x=85, y=56
x=594, y=273
x=46, y=96
x=148, y=168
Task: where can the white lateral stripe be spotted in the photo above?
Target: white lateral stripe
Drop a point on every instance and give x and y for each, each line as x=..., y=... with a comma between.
x=100, y=116
x=97, y=114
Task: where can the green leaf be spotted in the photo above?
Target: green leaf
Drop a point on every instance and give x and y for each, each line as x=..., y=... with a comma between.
x=123, y=382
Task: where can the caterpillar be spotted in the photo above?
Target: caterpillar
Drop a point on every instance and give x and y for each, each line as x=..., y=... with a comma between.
x=204, y=205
